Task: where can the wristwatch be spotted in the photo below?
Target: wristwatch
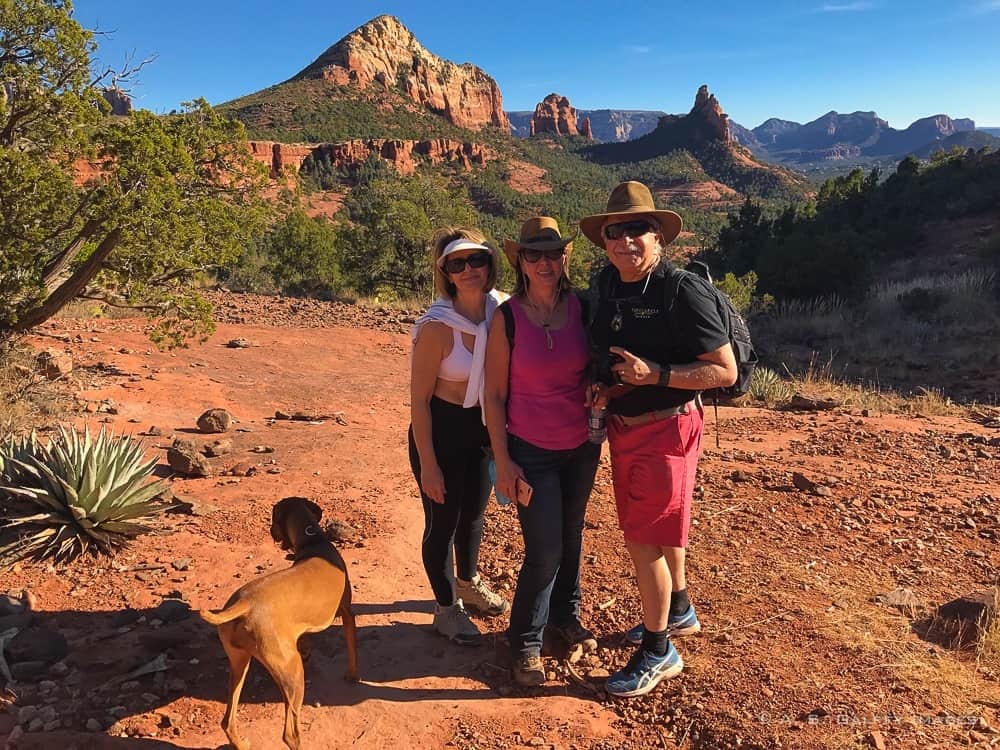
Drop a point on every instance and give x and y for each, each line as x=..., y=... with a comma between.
x=664, y=379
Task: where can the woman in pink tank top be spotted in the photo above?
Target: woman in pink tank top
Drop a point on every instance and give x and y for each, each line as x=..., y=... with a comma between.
x=537, y=380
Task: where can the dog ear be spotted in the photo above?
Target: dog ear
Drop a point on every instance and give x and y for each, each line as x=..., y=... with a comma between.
x=314, y=509
x=278, y=513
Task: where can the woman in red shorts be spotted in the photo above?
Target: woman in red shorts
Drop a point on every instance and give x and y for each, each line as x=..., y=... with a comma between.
x=662, y=340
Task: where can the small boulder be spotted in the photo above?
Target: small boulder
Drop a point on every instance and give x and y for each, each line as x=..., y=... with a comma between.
x=37, y=643
x=977, y=608
x=54, y=365
x=218, y=448
x=171, y=610
x=215, y=420
x=185, y=459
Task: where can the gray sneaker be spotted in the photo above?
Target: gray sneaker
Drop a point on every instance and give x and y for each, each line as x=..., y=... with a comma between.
x=454, y=624
x=480, y=598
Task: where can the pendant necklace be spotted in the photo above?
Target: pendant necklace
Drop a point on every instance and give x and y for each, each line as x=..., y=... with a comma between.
x=549, y=343
x=618, y=321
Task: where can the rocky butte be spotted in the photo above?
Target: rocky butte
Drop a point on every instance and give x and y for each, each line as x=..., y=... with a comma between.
x=384, y=52
x=706, y=121
x=554, y=114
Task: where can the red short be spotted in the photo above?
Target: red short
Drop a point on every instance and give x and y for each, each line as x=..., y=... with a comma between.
x=653, y=466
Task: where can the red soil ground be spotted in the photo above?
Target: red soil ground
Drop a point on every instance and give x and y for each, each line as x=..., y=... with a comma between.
x=795, y=652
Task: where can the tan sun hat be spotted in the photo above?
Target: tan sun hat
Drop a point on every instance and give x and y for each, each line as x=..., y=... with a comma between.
x=538, y=233
x=626, y=201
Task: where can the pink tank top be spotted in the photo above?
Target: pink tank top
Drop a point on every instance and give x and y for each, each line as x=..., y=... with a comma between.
x=548, y=386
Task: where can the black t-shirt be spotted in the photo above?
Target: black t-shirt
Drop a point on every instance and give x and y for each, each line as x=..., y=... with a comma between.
x=692, y=327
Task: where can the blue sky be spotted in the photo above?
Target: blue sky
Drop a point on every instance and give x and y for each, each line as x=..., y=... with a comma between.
x=793, y=60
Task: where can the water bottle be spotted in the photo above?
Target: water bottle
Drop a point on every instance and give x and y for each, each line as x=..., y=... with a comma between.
x=597, y=424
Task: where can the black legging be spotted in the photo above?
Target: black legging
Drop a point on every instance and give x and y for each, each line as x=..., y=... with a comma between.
x=459, y=440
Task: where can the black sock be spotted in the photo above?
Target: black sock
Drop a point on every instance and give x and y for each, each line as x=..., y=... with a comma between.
x=655, y=643
x=679, y=602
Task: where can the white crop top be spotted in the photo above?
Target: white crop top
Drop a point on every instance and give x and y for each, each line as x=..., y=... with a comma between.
x=458, y=364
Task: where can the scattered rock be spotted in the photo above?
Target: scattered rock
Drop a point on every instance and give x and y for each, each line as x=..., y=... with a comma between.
x=979, y=608
x=93, y=725
x=26, y=671
x=185, y=459
x=339, y=531
x=172, y=610
x=242, y=469
x=902, y=599
x=218, y=448
x=10, y=605
x=182, y=563
x=53, y=364
x=262, y=449
x=215, y=420
x=154, y=431
x=39, y=644
x=239, y=343
x=802, y=402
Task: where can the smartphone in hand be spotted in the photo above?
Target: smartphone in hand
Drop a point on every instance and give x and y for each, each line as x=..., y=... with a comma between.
x=524, y=491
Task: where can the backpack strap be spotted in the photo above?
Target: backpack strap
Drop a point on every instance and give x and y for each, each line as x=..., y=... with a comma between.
x=508, y=322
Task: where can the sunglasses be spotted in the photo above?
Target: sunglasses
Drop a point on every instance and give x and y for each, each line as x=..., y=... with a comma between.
x=457, y=265
x=630, y=229
x=533, y=256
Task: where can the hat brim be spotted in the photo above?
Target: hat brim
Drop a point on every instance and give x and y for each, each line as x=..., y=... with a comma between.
x=670, y=223
x=512, y=247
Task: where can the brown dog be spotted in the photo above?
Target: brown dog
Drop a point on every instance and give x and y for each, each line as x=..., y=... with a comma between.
x=266, y=618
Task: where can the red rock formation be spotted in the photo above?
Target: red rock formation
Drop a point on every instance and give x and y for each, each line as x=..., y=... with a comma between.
x=706, y=120
x=554, y=115
x=403, y=155
x=384, y=51
x=585, y=130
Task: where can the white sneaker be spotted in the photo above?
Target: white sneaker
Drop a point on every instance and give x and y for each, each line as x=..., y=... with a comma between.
x=454, y=624
x=480, y=598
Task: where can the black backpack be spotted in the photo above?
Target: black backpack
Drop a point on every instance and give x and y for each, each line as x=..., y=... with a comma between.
x=736, y=327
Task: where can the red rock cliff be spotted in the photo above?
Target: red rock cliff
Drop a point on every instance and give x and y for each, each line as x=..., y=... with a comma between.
x=385, y=52
x=403, y=155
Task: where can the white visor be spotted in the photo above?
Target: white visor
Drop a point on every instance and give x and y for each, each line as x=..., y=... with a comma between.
x=461, y=244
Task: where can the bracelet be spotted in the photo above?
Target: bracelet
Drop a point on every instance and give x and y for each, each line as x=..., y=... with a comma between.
x=664, y=379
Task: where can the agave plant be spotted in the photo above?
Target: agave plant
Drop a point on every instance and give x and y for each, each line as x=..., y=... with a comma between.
x=14, y=449
x=74, y=495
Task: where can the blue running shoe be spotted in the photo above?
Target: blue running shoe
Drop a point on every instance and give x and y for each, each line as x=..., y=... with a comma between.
x=685, y=624
x=644, y=672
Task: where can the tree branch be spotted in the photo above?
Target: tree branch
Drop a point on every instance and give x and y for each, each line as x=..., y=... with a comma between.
x=69, y=288
x=55, y=267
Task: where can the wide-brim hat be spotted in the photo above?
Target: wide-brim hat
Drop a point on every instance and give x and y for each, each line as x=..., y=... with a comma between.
x=538, y=233
x=627, y=201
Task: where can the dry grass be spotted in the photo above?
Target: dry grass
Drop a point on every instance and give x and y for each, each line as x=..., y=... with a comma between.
x=950, y=678
x=988, y=644
x=27, y=400
x=82, y=309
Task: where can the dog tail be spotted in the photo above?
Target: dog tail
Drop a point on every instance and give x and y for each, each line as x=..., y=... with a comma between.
x=221, y=616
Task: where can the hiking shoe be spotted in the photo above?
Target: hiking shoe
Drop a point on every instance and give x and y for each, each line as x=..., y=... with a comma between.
x=528, y=671
x=454, y=624
x=480, y=598
x=644, y=672
x=574, y=633
x=684, y=624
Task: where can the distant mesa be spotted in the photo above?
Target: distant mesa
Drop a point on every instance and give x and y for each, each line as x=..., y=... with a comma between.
x=554, y=114
x=854, y=136
x=384, y=52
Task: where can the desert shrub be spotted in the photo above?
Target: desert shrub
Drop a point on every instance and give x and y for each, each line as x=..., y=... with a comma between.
x=73, y=495
x=768, y=386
